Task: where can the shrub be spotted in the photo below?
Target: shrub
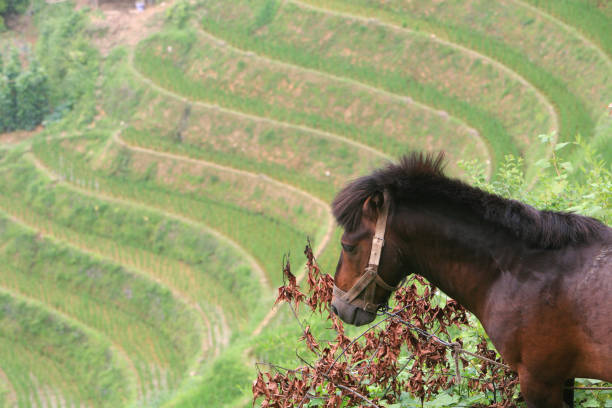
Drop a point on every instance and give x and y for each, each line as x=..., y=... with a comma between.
x=23, y=94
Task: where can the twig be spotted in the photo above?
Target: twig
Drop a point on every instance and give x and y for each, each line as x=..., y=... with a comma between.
x=356, y=393
x=360, y=336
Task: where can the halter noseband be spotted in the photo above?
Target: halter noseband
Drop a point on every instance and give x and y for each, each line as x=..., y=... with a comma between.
x=370, y=279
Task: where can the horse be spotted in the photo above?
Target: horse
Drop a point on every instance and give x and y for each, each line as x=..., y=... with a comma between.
x=540, y=282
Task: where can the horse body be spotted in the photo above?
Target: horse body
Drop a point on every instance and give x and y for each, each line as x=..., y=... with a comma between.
x=539, y=282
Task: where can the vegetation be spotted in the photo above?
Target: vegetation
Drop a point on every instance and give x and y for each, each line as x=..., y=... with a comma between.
x=8, y=7
x=561, y=187
x=23, y=94
x=124, y=306
x=214, y=206
x=414, y=368
x=70, y=61
x=40, y=348
x=148, y=219
x=259, y=88
x=523, y=52
x=591, y=17
x=504, y=112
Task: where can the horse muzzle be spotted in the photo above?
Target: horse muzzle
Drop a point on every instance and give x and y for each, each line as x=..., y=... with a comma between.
x=348, y=312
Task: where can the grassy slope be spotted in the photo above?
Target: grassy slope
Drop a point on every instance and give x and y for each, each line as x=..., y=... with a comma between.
x=573, y=77
x=506, y=112
x=311, y=161
x=591, y=17
x=39, y=348
x=138, y=232
x=105, y=297
x=253, y=228
x=215, y=74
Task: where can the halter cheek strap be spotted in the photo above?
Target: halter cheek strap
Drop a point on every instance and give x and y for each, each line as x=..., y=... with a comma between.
x=370, y=279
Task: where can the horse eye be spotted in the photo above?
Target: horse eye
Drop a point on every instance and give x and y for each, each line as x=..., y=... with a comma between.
x=348, y=248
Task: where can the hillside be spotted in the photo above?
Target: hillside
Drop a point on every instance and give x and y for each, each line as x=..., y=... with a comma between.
x=191, y=147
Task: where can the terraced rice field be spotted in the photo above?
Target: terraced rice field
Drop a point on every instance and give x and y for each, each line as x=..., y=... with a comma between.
x=139, y=254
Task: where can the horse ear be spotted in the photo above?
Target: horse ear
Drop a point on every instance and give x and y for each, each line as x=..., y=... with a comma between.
x=372, y=206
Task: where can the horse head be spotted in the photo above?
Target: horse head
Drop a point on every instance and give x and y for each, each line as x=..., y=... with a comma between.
x=366, y=274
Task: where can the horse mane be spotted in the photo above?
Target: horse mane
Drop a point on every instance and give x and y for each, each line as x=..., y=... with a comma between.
x=419, y=178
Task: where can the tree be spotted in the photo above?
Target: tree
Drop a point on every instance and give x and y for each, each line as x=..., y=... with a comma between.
x=8, y=7
x=8, y=94
x=32, y=95
x=5, y=104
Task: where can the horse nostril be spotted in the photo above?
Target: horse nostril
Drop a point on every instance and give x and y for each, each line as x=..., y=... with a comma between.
x=333, y=308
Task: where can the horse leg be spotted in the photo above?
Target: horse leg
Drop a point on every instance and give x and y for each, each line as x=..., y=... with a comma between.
x=539, y=393
x=568, y=393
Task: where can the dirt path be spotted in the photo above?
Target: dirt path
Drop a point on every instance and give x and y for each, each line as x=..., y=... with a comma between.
x=135, y=388
x=11, y=397
x=122, y=24
x=543, y=100
x=483, y=146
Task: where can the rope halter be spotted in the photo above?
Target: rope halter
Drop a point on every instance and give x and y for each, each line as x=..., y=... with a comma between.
x=370, y=279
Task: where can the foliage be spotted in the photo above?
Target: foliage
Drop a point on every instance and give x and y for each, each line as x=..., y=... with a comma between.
x=71, y=62
x=179, y=14
x=23, y=94
x=584, y=187
x=573, y=112
x=587, y=16
x=32, y=96
x=6, y=105
x=8, y=7
x=38, y=345
x=265, y=15
x=395, y=361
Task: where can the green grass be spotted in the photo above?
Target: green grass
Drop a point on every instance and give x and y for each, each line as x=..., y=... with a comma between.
x=506, y=112
x=591, y=18
x=307, y=160
x=574, y=79
x=199, y=69
x=161, y=258
x=225, y=382
x=39, y=348
x=124, y=307
x=265, y=237
x=200, y=266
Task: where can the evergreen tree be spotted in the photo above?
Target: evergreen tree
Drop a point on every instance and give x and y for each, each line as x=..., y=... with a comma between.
x=13, y=66
x=32, y=97
x=8, y=93
x=5, y=104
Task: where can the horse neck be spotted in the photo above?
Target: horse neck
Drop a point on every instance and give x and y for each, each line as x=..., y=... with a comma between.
x=462, y=256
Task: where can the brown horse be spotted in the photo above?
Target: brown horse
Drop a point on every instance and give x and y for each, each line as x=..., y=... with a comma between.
x=539, y=281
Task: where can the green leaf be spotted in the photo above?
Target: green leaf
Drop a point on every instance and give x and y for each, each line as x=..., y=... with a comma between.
x=560, y=146
x=444, y=400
